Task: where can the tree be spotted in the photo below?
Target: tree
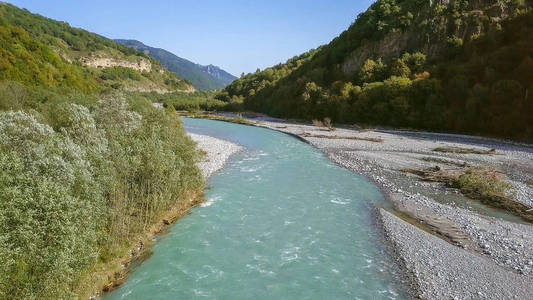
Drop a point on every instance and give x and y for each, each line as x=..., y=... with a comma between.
x=372, y=71
x=400, y=69
x=416, y=61
x=524, y=71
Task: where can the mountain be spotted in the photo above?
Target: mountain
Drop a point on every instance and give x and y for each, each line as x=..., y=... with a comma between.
x=457, y=66
x=40, y=52
x=202, y=77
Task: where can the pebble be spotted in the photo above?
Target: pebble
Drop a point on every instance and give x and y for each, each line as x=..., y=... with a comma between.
x=218, y=152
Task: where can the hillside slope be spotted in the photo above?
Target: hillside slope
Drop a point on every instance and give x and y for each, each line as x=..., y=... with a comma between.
x=86, y=175
x=202, y=77
x=462, y=66
x=35, y=50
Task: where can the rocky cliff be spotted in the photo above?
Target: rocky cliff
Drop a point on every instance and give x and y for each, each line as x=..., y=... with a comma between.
x=140, y=64
x=431, y=27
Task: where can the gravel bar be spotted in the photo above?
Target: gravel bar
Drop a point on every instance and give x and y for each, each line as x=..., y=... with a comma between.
x=443, y=271
x=217, y=152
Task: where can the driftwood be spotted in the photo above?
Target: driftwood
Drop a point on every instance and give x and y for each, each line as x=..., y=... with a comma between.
x=459, y=150
x=337, y=137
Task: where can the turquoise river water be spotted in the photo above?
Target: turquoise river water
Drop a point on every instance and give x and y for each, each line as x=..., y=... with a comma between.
x=280, y=221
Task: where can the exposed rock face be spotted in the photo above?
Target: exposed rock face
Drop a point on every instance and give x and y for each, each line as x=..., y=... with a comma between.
x=142, y=65
x=431, y=29
x=153, y=88
x=391, y=46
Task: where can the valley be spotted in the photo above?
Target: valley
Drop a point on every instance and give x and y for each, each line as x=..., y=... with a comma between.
x=394, y=161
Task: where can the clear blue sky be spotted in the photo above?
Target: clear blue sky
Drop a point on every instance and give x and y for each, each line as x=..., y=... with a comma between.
x=237, y=35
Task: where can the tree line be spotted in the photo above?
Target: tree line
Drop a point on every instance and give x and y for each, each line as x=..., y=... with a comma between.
x=470, y=82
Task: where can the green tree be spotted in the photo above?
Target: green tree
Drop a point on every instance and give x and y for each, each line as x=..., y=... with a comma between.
x=372, y=71
x=416, y=61
x=400, y=69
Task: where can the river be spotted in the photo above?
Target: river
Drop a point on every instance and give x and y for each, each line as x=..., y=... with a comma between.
x=280, y=221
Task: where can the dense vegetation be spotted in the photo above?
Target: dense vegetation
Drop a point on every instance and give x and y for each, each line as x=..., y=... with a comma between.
x=79, y=184
x=35, y=50
x=251, y=84
x=198, y=101
x=204, y=78
x=29, y=61
x=465, y=66
x=84, y=172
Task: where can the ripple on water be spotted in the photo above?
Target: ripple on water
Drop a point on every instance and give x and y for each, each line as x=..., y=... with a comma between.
x=340, y=201
x=280, y=222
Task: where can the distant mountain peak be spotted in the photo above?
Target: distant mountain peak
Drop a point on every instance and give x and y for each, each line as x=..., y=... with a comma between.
x=209, y=77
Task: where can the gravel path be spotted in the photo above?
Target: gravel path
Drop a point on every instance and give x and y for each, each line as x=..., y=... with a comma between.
x=217, y=152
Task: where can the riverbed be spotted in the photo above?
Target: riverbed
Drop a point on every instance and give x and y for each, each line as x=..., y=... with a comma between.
x=473, y=251
x=280, y=221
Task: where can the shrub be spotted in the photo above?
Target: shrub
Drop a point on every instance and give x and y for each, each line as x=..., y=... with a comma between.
x=483, y=184
x=154, y=164
x=372, y=71
x=51, y=210
x=399, y=68
x=82, y=190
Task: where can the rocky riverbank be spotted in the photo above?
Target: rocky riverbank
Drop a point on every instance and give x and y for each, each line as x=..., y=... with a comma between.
x=442, y=271
x=216, y=152
x=451, y=246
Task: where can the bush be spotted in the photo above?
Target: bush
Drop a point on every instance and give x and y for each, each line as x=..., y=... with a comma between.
x=81, y=190
x=121, y=73
x=154, y=164
x=483, y=184
x=52, y=212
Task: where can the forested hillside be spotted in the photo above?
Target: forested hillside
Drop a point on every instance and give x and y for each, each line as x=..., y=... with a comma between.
x=250, y=84
x=202, y=77
x=85, y=173
x=35, y=50
x=460, y=66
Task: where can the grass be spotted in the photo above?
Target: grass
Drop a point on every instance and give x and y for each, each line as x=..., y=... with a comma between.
x=482, y=184
x=486, y=185
x=489, y=187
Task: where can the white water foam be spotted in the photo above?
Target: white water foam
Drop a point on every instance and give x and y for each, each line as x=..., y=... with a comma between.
x=210, y=201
